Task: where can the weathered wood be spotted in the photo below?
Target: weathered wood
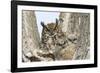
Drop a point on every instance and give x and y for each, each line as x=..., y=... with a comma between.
x=77, y=26
x=30, y=34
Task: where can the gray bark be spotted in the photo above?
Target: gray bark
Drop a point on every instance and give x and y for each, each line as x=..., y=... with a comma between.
x=30, y=34
x=77, y=26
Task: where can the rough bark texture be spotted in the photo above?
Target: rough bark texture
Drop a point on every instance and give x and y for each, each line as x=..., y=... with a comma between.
x=77, y=26
x=30, y=34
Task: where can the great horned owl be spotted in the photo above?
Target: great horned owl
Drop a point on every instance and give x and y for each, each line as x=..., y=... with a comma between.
x=52, y=37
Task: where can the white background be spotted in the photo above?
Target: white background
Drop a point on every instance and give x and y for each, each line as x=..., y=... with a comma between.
x=5, y=31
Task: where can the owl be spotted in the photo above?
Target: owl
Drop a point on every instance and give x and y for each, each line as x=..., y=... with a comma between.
x=52, y=37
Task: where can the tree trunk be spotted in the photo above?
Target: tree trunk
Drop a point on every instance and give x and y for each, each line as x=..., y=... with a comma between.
x=78, y=26
x=30, y=34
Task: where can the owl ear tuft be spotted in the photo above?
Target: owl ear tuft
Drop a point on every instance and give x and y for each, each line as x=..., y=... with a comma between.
x=56, y=21
x=44, y=26
x=42, y=23
x=56, y=24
